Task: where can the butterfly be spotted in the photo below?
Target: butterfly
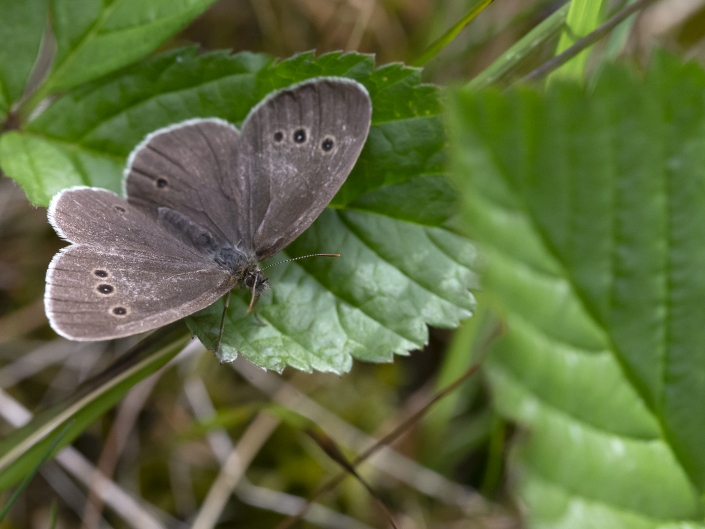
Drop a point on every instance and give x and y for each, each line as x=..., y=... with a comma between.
x=204, y=204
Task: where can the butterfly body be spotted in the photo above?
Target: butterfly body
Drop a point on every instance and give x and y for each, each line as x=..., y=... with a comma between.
x=242, y=265
x=205, y=204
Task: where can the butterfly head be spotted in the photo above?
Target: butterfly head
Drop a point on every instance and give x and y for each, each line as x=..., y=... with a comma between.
x=254, y=280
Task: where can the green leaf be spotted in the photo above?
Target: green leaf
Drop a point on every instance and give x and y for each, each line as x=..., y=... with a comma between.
x=84, y=138
x=402, y=268
x=392, y=279
x=583, y=17
x=21, y=27
x=94, y=37
x=44, y=166
x=24, y=448
x=101, y=123
x=588, y=206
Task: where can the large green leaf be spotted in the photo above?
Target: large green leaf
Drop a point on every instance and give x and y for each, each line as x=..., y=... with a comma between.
x=99, y=124
x=589, y=206
x=394, y=278
x=21, y=27
x=95, y=37
x=402, y=268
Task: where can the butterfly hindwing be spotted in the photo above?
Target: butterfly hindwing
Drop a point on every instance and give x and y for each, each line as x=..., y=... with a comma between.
x=124, y=273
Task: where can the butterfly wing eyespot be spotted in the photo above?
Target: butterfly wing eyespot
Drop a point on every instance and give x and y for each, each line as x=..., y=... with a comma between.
x=327, y=144
x=105, y=289
x=300, y=136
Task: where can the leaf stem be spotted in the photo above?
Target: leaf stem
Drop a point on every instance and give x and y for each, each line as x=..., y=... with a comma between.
x=586, y=41
x=28, y=477
x=514, y=55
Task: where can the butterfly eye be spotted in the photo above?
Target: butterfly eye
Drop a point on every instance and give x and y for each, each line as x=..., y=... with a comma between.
x=105, y=289
x=120, y=311
x=327, y=144
x=300, y=136
x=162, y=183
x=100, y=273
x=278, y=136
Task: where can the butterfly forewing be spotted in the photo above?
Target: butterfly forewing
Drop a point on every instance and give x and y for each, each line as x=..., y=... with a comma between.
x=124, y=274
x=297, y=148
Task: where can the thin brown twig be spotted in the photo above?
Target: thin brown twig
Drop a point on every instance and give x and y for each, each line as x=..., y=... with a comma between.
x=586, y=41
x=387, y=439
x=114, y=445
x=261, y=497
x=239, y=459
x=336, y=454
x=389, y=461
x=398, y=431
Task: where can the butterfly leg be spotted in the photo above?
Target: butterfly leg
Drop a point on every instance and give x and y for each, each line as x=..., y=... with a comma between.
x=253, y=298
x=222, y=323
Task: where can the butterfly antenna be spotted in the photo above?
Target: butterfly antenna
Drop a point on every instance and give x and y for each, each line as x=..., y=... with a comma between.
x=222, y=322
x=303, y=257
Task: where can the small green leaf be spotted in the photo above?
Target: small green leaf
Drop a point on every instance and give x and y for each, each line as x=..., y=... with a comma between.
x=21, y=27
x=94, y=37
x=44, y=166
x=588, y=206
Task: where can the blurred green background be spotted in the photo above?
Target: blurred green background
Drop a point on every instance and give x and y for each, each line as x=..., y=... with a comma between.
x=165, y=444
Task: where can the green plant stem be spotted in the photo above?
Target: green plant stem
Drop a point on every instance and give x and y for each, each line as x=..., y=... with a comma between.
x=583, y=17
x=448, y=37
x=495, y=459
x=25, y=481
x=514, y=55
x=24, y=446
x=586, y=41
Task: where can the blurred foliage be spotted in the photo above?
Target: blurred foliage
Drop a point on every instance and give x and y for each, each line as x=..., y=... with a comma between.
x=175, y=436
